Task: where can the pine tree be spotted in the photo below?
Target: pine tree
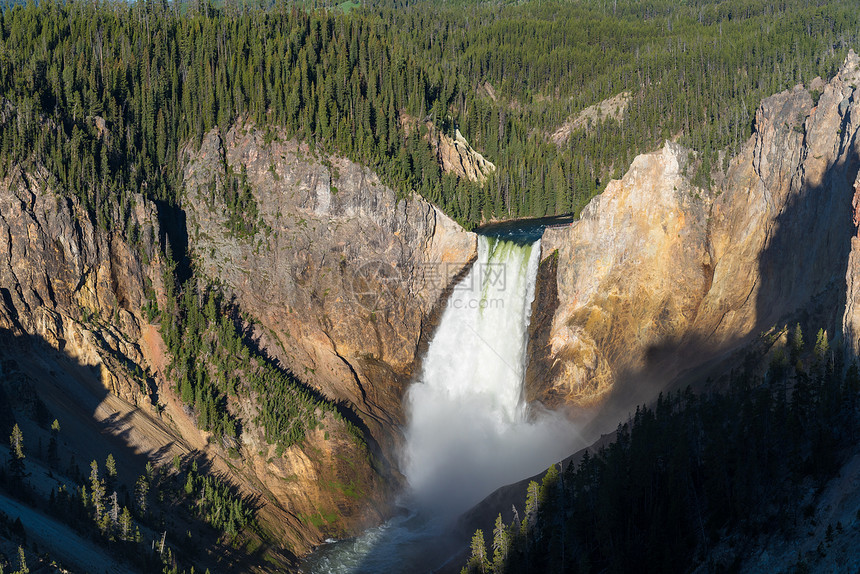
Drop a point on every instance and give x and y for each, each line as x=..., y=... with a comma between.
x=822, y=345
x=532, y=504
x=97, y=492
x=796, y=344
x=114, y=512
x=501, y=544
x=478, y=560
x=22, y=562
x=141, y=492
x=110, y=473
x=53, y=445
x=125, y=524
x=16, y=454
x=16, y=442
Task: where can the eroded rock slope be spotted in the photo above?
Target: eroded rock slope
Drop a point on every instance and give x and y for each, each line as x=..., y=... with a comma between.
x=79, y=288
x=342, y=278
x=658, y=276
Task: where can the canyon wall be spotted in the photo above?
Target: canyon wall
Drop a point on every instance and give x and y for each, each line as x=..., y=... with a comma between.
x=342, y=279
x=78, y=344
x=74, y=285
x=657, y=276
x=334, y=278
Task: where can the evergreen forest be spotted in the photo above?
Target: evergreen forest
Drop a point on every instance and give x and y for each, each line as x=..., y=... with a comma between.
x=694, y=480
x=104, y=95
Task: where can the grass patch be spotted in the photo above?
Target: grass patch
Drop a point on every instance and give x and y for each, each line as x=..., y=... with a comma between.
x=352, y=489
x=320, y=519
x=348, y=6
x=253, y=545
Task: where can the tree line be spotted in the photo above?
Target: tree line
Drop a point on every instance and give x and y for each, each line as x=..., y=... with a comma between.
x=104, y=95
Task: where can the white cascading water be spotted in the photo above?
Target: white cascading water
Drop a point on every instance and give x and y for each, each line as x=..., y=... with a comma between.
x=468, y=431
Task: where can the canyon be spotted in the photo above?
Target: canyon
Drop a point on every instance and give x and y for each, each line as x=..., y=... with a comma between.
x=342, y=283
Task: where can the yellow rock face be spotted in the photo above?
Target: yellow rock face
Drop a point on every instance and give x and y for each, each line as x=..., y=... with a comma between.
x=658, y=277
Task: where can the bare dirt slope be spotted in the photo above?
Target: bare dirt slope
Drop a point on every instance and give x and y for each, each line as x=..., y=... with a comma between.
x=609, y=109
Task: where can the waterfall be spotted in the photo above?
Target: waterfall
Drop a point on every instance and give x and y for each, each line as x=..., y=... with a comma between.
x=468, y=429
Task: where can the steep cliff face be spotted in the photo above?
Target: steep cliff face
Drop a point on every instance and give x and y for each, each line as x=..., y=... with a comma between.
x=631, y=273
x=658, y=276
x=342, y=278
x=780, y=231
x=78, y=287
x=851, y=319
x=339, y=281
x=456, y=156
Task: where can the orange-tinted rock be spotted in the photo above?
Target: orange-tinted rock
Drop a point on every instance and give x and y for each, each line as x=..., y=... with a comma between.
x=342, y=276
x=456, y=156
x=658, y=277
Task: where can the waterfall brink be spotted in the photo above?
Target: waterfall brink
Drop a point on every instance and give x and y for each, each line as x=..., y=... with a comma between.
x=468, y=431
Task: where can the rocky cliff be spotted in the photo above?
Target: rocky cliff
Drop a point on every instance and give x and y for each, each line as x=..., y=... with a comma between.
x=657, y=276
x=453, y=154
x=630, y=275
x=341, y=278
x=335, y=279
x=456, y=156
x=76, y=286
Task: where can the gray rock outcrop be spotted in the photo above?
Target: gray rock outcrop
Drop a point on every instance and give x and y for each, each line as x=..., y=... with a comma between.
x=342, y=277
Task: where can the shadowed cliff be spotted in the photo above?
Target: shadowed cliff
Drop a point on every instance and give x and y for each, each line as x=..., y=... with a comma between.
x=68, y=419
